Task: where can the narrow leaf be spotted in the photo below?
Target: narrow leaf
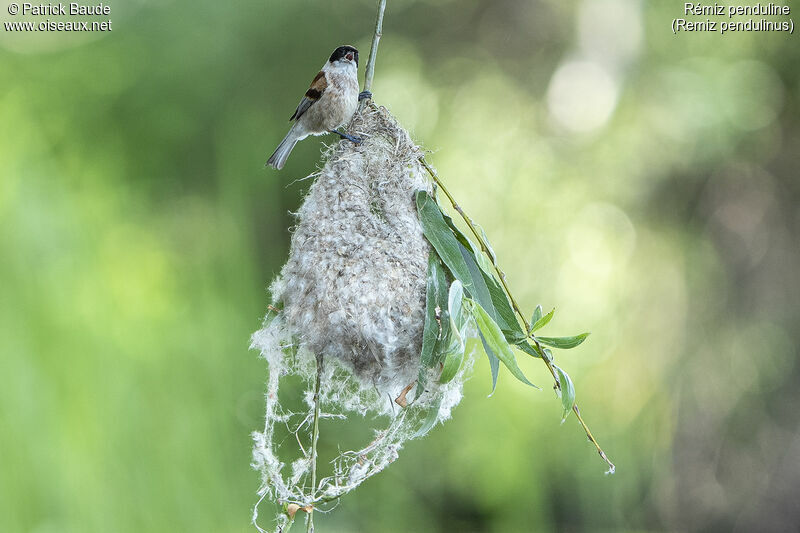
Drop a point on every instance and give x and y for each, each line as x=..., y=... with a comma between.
x=479, y=291
x=537, y=314
x=489, y=249
x=445, y=341
x=434, y=296
x=442, y=239
x=452, y=362
x=430, y=419
x=502, y=305
x=458, y=233
x=514, y=336
x=443, y=322
x=565, y=343
x=494, y=362
x=542, y=321
x=480, y=257
x=497, y=342
x=527, y=348
x=567, y=392
x=454, y=353
x=431, y=331
x=454, y=298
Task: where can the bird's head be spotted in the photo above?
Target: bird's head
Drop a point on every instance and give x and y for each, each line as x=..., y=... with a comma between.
x=345, y=54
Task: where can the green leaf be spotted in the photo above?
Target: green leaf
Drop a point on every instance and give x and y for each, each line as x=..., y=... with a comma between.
x=480, y=291
x=456, y=318
x=435, y=296
x=454, y=353
x=463, y=239
x=480, y=257
x=445, y=341
x=497, y=342
x=527, y=348
x=565, y=343
x=566, y=391
x=432, y=290
x=501, y=304
x=489, y=249
x=441, y=238
x=514, y=337
x=452, y=362
x=430, y=419
x=494, y=362
x=455, y=296
x=537, y=314
x=542, y=321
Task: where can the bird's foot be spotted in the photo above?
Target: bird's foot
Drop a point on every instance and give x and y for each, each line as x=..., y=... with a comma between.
x=364, y=95
x=350, y=138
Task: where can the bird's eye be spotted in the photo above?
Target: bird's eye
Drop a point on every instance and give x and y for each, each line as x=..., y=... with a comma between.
x=349, y=56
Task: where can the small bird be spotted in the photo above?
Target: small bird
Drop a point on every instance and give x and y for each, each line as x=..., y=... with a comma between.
x=330, y=102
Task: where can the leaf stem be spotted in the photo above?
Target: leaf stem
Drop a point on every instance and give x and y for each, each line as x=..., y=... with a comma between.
x=314, y=439
x=485, y=247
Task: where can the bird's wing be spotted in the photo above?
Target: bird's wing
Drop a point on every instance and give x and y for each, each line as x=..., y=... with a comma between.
x=313, y=94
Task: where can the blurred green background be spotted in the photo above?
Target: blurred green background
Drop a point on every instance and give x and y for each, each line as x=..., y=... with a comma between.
x=643, y=183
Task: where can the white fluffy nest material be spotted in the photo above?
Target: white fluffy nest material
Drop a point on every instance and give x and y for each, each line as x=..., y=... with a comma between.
x=354, y=284
x=353, y=292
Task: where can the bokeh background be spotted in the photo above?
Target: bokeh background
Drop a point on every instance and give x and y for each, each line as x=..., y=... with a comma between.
x=643, y=183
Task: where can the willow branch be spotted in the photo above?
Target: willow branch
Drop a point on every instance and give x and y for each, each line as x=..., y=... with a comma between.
x=485, y=247
x=369, y=72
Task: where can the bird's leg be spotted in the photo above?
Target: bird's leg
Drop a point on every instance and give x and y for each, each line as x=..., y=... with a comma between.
x=364, y=95
x=356, y=140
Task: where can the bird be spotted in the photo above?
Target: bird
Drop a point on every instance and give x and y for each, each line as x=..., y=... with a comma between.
x=331, y=101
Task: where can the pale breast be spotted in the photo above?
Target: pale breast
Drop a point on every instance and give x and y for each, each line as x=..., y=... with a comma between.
x=338, y=102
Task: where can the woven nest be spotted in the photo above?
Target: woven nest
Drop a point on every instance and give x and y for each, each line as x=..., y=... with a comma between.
x=354, y=285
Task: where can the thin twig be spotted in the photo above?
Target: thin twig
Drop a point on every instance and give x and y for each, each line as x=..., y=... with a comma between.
x=502, y=276
x=369, y=71
x=314, y=439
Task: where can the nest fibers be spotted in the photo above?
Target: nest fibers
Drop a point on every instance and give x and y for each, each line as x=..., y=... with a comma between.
x=352, y=294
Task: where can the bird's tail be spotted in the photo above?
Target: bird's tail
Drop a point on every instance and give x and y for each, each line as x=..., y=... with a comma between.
x=278, y=159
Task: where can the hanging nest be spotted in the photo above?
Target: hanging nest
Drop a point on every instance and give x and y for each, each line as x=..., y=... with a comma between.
x=352, y=296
